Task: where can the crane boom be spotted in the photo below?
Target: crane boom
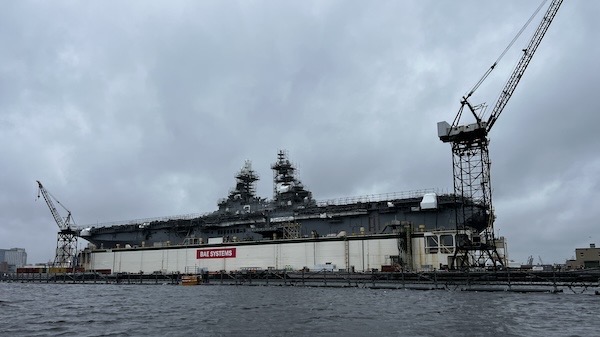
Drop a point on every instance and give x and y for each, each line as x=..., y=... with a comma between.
x=479, y=130
x=514, y=79
x=63, y=224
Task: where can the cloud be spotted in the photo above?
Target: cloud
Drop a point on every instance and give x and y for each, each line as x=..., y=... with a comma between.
x=142, y=109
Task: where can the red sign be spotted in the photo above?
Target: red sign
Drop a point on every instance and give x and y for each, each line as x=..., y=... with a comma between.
x=215, y=253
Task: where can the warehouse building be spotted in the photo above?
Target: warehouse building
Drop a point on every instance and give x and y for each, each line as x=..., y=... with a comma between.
x=585, y=258
x=11, y=259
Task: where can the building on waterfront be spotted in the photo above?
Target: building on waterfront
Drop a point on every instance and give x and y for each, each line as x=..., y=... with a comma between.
x=11, y=259
x=585, y=258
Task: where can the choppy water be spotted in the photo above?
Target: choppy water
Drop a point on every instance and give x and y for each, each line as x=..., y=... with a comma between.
x=28, y=309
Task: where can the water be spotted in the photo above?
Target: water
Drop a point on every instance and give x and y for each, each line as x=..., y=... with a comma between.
x=33, y=309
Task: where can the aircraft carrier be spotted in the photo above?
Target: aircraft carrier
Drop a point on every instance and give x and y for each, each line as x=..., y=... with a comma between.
x=292, y=213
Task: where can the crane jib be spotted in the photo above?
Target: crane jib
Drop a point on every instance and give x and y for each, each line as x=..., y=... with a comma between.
x=521, y=66
x=63, y=224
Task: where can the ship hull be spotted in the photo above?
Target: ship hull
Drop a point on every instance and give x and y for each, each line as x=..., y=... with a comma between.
x=379, y=217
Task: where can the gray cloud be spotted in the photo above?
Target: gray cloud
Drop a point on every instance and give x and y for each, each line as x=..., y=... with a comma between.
x=146, y=109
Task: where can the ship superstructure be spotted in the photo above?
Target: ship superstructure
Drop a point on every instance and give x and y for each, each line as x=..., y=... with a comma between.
x=243, y=199
x=288, y=191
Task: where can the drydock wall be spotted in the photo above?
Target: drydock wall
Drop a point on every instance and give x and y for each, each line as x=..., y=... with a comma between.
x=359, y=253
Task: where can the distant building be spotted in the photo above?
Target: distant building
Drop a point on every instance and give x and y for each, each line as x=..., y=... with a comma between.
x=585, y=258
x=11, y=259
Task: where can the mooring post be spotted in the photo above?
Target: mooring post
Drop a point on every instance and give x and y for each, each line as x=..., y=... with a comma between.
x=403, y=282
x=348, y=271
x=373, y=277
x=468, y=279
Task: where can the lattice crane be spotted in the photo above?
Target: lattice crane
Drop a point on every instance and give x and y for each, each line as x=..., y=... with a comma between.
x=66, y=245
x=470, y=157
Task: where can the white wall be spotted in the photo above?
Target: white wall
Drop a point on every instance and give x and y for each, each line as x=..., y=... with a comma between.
x=363, y=255
x=425, y=261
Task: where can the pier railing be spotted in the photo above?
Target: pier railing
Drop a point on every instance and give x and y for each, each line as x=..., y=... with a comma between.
x=506, y=280
x=584, y=281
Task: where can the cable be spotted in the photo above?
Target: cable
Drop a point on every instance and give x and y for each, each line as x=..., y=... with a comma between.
x=487, y=73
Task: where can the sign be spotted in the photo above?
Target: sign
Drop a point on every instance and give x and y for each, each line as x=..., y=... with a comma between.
x=216, y=253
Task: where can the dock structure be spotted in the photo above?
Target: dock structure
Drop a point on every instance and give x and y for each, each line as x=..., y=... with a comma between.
x=92, y=278
x=583, y=281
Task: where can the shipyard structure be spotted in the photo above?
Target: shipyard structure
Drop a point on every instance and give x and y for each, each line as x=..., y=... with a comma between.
x=410, y=231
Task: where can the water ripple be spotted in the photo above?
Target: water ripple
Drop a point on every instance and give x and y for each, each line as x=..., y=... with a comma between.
x=134, y=310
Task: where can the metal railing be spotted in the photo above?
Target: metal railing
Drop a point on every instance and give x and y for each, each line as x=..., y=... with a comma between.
x=320, y=203
x=146, y=220
x=378, y=197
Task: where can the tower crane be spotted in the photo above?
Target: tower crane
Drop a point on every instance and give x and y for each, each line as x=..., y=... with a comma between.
x=470, y=157
x=66, y=245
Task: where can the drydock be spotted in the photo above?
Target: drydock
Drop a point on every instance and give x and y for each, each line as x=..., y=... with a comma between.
x=411, y=231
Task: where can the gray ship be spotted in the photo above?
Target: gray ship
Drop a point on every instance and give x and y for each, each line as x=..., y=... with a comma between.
x=291, y=214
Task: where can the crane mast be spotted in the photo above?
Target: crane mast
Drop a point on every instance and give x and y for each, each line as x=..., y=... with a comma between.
x=66, y=245
x=471, y=162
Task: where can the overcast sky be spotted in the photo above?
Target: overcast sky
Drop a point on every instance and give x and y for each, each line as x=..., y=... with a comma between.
x=141, y=109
